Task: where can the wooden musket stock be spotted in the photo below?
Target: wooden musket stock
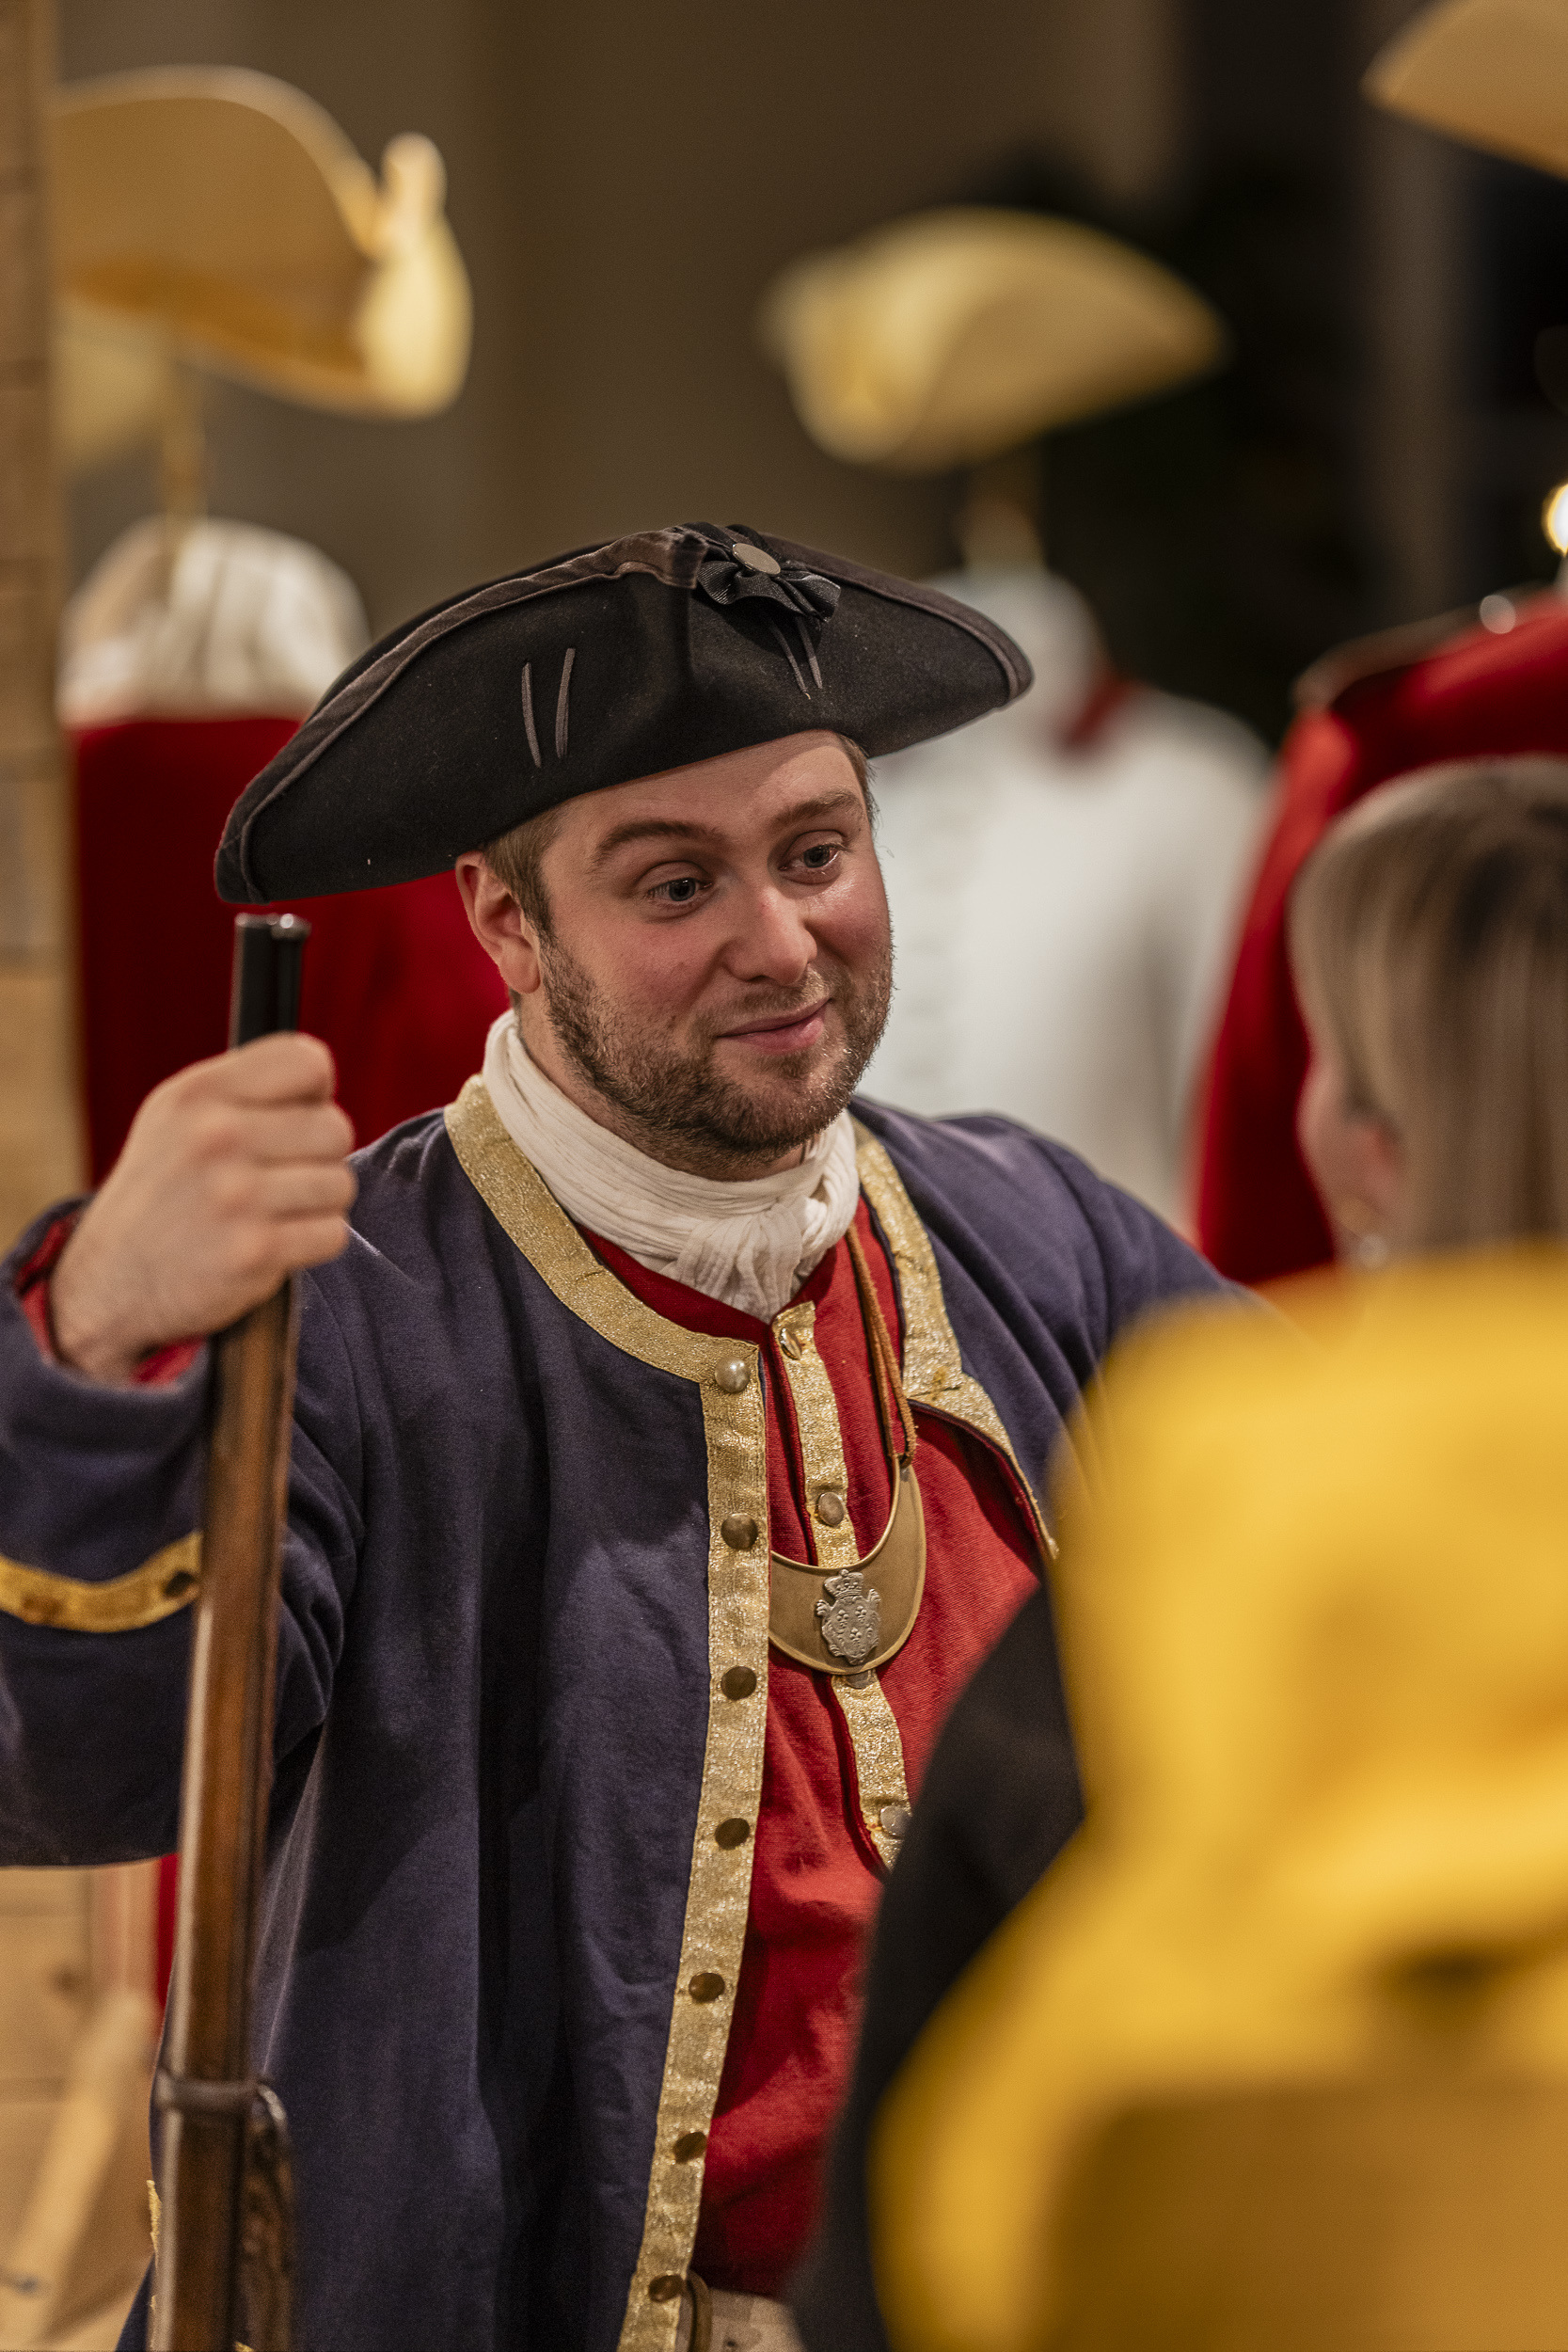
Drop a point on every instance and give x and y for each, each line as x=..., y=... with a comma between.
x=225, y=2255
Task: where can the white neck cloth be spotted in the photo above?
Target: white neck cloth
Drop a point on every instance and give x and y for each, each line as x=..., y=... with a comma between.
x=751, y=1244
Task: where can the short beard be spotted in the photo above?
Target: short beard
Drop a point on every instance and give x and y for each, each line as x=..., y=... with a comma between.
x=676, y=1107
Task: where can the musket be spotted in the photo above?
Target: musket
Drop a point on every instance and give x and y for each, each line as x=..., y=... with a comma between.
x=225, y=2261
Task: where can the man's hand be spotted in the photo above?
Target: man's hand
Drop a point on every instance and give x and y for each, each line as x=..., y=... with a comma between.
x=231, y=1177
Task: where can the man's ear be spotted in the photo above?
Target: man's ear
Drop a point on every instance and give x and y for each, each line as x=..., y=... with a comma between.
x=499, y=925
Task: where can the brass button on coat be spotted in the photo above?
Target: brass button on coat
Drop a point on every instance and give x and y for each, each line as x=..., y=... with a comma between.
x=739, y=1683
x=830, y=1507
x=689, y=2146
x=734, y=1833
x=731, y=1375
x=739, y=1532
x=896, y=1820
x=666, y=2288
x=706, y=1985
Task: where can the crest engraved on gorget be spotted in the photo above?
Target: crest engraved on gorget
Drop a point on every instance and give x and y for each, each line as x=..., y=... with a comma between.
x=850, y=1615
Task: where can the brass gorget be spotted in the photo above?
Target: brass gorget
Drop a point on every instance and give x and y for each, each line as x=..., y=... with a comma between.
x=854, y=1619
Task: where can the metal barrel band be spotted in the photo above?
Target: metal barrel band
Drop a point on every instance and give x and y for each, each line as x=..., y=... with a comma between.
x=190, y=2095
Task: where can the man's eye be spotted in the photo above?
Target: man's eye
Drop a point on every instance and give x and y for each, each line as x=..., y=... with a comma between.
x=819, y=856
x=678, y=892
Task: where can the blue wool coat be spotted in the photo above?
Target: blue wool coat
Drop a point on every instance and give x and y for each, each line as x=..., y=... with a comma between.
x=503, y=1737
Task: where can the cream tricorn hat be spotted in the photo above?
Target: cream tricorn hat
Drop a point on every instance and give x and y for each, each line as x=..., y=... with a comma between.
x=949, y=336
x=1491, y=73
x=221, y=218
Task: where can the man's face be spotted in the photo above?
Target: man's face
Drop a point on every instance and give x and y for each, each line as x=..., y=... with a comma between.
x=719, y=965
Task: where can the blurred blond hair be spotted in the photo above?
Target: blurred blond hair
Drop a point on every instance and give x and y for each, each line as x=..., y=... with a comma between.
x=1428, y=933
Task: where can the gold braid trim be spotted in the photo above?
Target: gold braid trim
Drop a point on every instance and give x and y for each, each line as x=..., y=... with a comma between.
x=933, y=1369
x=719, y=1885
x=873, y=1728
x=879, y=1783
x=821, y=1440
x=169, y=1582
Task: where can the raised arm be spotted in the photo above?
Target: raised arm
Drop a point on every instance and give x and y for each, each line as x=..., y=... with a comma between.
x=232, y=1176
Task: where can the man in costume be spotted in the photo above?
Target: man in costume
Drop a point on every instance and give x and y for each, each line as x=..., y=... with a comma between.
x=665, y=1454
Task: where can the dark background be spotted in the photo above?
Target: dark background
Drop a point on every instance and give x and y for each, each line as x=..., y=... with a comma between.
x=624, y=181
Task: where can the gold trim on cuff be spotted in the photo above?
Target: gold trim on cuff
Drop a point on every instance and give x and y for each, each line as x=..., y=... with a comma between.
x=161, y=1586
x=933, y=1368
x=719, y=1885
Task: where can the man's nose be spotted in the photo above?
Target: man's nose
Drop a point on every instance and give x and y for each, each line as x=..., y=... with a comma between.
x=772, y=940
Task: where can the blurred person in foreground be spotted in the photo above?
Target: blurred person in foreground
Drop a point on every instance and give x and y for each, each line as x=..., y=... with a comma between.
x=1429, y=936
x=1277, y=2053
x=663, y=1453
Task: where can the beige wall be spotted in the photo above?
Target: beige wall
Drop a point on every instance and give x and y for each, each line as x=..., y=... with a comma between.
x=625, y=180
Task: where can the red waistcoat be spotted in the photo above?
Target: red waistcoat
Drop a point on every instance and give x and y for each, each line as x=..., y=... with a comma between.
x=816, y=1878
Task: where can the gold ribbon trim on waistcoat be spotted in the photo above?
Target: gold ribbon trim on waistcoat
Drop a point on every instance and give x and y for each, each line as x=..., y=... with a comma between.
x=882, y=1791
x=894, y=1568
x=163, y=1586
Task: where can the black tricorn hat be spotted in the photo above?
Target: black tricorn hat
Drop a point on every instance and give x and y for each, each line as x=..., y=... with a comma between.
x=612, y=663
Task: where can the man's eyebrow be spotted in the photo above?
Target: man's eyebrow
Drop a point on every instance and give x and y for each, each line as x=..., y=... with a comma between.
x=710, y=837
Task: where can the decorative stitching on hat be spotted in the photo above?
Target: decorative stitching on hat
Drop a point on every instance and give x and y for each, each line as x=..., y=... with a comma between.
x=808, y=649
x=528, y=714
x=788, y=652
x=1000, y=646
x=561, y=701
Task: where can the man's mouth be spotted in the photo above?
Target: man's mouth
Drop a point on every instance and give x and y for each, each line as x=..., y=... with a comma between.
x=781, y=1032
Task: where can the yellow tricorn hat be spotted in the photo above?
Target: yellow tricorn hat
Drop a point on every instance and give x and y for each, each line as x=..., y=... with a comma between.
x=1278, y=2051
x=222, y=218
x=1491, y=73
x=949, y=336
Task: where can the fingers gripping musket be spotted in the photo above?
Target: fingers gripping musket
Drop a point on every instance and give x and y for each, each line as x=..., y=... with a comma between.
x=225, y=2261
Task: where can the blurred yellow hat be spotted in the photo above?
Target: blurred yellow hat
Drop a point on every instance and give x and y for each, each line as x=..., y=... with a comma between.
x=1315, y=1625
x=1493, y=72
x=222, y=218
x=951, y=336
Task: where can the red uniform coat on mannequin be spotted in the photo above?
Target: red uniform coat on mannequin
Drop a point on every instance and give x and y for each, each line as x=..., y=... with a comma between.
x=394, y=979
x=1471, y=694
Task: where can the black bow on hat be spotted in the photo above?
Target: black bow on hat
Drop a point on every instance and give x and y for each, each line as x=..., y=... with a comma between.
x=748, y=570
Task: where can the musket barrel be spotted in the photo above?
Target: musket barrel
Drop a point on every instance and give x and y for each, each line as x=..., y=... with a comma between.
x=205, y=2089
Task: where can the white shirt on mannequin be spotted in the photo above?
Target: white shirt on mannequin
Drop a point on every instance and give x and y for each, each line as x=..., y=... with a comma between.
x=1064, y=916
